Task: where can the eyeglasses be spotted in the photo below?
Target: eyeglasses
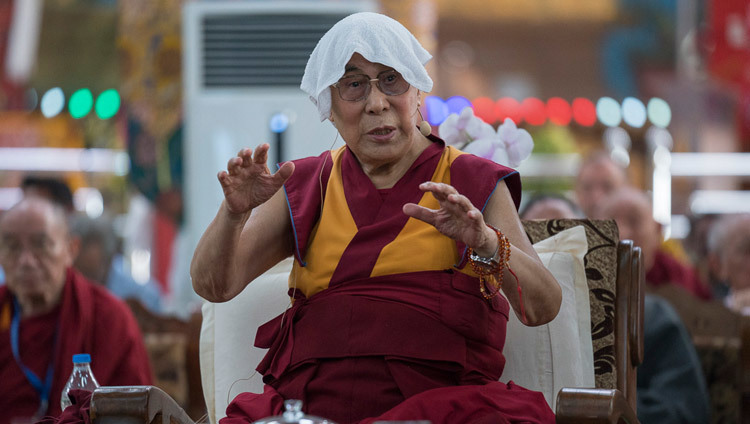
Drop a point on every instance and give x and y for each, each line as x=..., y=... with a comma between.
x=354, y=88
x=40, y=247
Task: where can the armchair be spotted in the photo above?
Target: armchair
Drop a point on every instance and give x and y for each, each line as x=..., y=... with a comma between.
x=614, y=277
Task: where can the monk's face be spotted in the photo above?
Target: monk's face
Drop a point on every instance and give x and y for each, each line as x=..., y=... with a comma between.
x=550, y=208
x=631, y=210
x=35, y=252
x=380, y=129
x=596, y=181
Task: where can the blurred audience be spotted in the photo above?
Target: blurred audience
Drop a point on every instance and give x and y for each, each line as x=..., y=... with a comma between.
x=671, y=388
x=670, y=385
x=597, y=178
x=99, y=259
x=631, y=209
x=729, y=259
x=550, y=206
x=49, y=311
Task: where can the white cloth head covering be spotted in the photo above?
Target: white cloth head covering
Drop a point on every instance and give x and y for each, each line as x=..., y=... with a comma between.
x=377, y=38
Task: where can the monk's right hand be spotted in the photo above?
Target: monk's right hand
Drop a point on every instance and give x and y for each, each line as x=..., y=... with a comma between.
x=248, y=183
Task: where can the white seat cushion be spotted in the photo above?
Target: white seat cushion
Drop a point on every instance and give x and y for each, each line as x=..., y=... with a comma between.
x=228, y=357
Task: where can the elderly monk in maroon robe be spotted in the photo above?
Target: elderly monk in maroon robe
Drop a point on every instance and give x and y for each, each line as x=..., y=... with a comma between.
x=49, y=312
x=390, y=234
x=631, y=209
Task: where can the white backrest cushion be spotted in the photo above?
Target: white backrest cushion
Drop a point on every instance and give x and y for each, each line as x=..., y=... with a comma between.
x=559, y=354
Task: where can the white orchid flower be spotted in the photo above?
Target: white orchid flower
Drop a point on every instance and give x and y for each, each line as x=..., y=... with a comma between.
x=476, y=128
x=460, y=130
x=508, y=146
x=451, y=132
x=518, y=142
x=484, y=147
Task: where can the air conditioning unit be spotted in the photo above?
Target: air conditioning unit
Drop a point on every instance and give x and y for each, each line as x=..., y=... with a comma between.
x=242, y=65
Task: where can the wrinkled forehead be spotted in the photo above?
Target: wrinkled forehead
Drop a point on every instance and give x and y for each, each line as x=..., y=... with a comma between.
x=34, y=217
x=602, y=172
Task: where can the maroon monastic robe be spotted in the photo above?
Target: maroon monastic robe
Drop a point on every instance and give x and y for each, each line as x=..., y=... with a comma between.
x=363, y=343
x=668, y=270
x=88, y=320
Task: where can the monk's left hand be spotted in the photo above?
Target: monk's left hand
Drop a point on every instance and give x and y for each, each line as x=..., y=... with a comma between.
x=457, y=218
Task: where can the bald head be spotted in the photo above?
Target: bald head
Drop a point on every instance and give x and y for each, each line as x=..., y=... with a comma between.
x=598, y=177
x=550, y=206
x=631, y=209
x=38, y=205
x=35, y=252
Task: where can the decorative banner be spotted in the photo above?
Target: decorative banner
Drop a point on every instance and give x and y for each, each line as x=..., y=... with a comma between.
x=729, y=40
x=151, y=67
x=150, y=57
x=10, y=94
x=729, y=55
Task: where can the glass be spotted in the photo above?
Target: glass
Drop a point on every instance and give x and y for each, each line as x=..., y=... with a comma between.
x=39, y=246
x=354, y=88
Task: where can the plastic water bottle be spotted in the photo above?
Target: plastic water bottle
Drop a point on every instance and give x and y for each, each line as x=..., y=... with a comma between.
x=81, y=378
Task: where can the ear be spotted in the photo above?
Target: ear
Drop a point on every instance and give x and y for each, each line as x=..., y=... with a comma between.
x=74, y=247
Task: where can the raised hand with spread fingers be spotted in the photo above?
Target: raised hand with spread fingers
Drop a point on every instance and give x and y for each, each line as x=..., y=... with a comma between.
x=248, y=183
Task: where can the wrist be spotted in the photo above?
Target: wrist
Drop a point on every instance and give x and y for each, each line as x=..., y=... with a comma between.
x=236, y=217
x=491, y=245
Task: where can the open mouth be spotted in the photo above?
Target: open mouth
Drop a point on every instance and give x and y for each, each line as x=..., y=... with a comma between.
x=380, y=131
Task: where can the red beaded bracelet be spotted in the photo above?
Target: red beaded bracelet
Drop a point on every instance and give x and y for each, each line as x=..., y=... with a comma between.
x=491, y=270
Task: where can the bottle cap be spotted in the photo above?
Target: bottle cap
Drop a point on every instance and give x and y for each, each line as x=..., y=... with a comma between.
x=81, y=358
x=293, y=415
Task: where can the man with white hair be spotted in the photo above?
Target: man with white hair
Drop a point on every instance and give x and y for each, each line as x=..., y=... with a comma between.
x=631, y=209
x=729, y=259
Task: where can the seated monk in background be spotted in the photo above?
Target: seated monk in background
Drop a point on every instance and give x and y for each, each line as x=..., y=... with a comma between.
x=401, y=245
x=632, y=211
x=729, y=259
x=49, y=312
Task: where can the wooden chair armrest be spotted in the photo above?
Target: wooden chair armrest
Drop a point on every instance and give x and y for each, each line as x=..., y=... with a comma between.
x=590, y=406
x=135, y=405
x=635, y=308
